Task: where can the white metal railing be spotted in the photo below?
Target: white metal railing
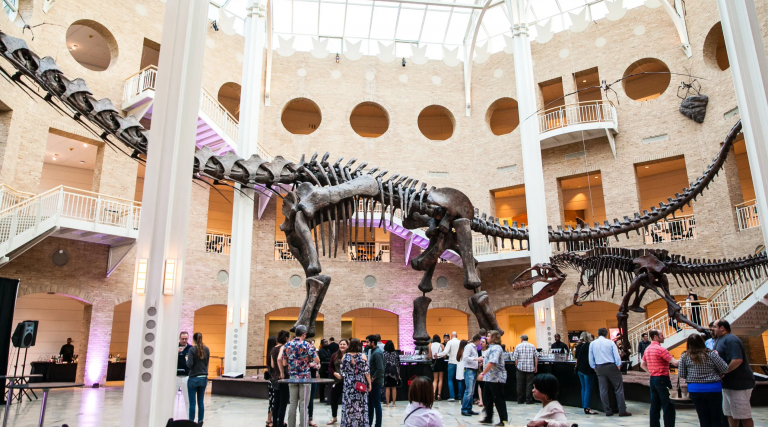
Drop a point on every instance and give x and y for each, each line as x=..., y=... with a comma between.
x=139, y=82
x=369, y=252
x=218, y=242
x=722, y=302
x=578, y=113
x=282, y=253
x=671, y=230
x=747, y=215
x=66, y=202
x=213, y=109
x=10, y=197
x=481, y=246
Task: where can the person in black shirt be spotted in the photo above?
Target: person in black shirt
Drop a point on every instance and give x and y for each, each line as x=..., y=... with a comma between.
x=325, y=358
x=559, y=346
x=333, y=347
x=738, y=380
x=645, y=343
x=67, y=351
x=182, y=371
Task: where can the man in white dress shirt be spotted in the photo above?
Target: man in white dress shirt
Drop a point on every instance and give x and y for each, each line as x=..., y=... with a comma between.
x=605, y=360
x=451, y=349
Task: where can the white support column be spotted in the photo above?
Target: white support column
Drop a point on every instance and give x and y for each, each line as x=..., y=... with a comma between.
x=749, y=68
x=533, y=173
x=153, y=340
x=236, y=347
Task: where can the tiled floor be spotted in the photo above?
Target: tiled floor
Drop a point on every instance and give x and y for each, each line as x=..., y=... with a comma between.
x=101, y=407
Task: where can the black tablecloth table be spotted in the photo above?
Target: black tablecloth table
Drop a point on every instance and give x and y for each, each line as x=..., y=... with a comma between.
x=45, y=387
x=55, y=372
x=116, y=371
x=307, y=386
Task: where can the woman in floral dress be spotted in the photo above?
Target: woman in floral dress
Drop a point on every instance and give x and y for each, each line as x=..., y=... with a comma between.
x=354, y=369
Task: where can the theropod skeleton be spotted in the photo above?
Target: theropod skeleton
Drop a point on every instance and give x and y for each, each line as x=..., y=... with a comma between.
x=634, y=272
x=328, y=195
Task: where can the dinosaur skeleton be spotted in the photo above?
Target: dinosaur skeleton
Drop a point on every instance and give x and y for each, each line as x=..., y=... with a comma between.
x=326, y=195
x=636, y=271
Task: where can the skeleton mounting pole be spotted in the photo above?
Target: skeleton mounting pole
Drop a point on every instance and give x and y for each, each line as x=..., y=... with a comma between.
x=533, y=174
x=156, y=311
x=749, y=68
x=236, y=344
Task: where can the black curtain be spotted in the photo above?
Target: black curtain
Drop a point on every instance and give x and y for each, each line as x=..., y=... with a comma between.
x=8, y=290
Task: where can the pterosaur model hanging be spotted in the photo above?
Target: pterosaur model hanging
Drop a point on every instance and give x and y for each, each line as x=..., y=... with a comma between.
x=332, y=197
x=636, y=271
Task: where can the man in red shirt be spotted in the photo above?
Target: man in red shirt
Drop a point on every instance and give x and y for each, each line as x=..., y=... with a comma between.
x=656, y=361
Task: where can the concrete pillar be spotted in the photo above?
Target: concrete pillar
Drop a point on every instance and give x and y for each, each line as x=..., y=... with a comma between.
x=533, y=173
x=97, y=336
x=242, y=211
x=155, y=313
x=749, y=68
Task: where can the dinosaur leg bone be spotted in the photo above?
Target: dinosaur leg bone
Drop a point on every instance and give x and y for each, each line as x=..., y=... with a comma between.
x=299, y=238
x=481, y=307
x=317, y=287
x=464, y=243
x=420, y=334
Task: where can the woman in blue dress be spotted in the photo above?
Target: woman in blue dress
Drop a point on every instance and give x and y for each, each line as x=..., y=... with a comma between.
x=354, y=369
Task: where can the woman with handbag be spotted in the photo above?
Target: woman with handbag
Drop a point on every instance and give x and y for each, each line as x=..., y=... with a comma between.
x=439, y=365
x=334, y=371
x=587, y=375
x=391, y=372
x=701, y=368
x=357, y=382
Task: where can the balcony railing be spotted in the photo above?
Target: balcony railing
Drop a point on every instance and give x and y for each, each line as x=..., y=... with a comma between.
x=211, y=107
x=139, y=82
x=218, y=242
x=282, y=253
x=10, y=197
x=747, y=215
x=369, y=252
x=579, y=246
x=481, y=246
x=673, y=230
x=574, y=114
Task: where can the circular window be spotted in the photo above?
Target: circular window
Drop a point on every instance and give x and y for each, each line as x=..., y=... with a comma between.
x=91, y=44
x=18, y=11
x=442, y=282
x=715, y=54
x=436, y=123
x=222, y=276
x=295, y=281
x=229, y=97
x=301, y=116
x=369, y=281
x=60, y=257
x=644, y=87
x=369, y=119
x=502, y=116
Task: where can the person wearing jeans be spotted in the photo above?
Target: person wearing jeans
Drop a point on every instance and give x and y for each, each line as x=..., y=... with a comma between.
x=656, y=361
x=470, y=358
x=378, y=371
x=197, y=362
x=451, y=350
x=586, y=374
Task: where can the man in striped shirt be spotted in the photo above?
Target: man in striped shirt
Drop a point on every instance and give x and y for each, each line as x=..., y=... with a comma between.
x=656, y=361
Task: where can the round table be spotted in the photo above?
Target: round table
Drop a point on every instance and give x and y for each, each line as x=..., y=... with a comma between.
x=36, y=386
x=307, y=383
x=20, y=379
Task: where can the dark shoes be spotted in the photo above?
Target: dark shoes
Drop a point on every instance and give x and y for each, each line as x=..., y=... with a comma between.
x=466, y=414
x=608, y=415
x=473, y=413
x=530, y=402
x=625, y=414
x=589, y=411
x=486, y=421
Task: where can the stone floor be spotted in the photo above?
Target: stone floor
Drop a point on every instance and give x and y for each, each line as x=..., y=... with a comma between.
x=101, y=407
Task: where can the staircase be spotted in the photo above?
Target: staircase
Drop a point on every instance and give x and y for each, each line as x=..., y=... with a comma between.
x=742, y=304
x=69, y=213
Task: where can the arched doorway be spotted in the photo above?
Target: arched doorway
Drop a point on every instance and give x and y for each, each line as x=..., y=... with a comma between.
x=591, y=316
x=515, y=321
x=362, y=322
x=60, y=317
x=211, y=321
x=121, y=322
x=285, y=318
x=659, y=306
x=442, y=321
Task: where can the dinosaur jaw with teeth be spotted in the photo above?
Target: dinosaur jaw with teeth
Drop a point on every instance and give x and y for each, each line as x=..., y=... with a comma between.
x=548, y=274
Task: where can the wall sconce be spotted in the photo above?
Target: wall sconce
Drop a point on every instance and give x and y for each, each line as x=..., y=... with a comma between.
x=141, y=277
x=170, y=276
x=553, y=316
x=541, y=315
x=243, y=315
x=230, y=314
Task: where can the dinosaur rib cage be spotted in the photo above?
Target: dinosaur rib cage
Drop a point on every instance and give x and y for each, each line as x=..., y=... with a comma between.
x=609, y=268
x=401, y=194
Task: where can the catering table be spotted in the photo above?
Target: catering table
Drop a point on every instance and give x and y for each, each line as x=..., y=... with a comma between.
x=116, y=371
x=55, y=372
x=46, y=387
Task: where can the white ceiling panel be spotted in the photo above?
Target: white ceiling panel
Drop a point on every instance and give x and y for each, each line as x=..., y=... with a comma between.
x=358, y=21
x=384, y=22
x=332, y=19
x=306, y=21
x=409, y=24
x=435, y=24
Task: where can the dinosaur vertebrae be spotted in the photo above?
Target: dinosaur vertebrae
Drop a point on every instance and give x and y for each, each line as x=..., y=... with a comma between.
x=606, y=268
x=229, y=167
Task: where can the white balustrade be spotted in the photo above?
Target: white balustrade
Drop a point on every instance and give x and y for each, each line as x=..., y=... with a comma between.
x=671, y=230
x=578, y=113
x=11, y=197
x=579, y=246
x=282, y=253
x=492, y=245
x=211, y=107
x=218, y=242
x=746, y=213
x=369, y=252
x=139, y=82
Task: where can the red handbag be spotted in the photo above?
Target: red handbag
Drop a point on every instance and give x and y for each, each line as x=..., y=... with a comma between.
x=361, y=387
x=410, y=380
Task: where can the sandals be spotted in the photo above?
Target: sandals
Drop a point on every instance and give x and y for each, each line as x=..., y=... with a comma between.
x=589, y=411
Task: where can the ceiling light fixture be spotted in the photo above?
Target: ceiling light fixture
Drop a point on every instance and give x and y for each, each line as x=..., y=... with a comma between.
x=74, y=47
x=647, y=167
x=597, y=177
x=54, y=158
x=82, y=162
x=85, y=145
x=584, y=81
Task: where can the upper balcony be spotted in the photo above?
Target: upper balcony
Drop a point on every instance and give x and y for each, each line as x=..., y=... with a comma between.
x=216, y=127
x=747, y=215
x=573, y=122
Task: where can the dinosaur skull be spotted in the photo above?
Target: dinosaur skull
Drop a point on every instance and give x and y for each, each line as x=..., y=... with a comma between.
x=546, y=273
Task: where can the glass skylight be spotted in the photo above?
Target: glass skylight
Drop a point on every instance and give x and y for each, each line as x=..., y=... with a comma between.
x=408, y=23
